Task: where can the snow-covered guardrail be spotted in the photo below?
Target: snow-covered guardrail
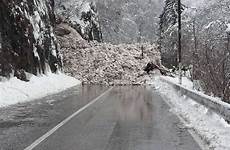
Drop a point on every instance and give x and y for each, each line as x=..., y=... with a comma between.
x=211, y=103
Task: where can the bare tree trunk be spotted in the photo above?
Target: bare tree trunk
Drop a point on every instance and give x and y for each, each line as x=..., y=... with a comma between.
x=179, y=41
x=226, y=82
x=195, y=50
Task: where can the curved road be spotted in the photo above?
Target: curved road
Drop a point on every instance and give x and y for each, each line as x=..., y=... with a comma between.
x=118, y=118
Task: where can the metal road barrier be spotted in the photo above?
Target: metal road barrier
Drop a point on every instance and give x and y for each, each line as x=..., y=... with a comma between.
x=211, y=103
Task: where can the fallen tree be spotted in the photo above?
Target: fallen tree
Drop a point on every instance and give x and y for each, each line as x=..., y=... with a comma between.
x=153, y=66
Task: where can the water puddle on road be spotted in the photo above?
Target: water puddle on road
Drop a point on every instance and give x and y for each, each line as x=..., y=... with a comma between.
x=134, y=104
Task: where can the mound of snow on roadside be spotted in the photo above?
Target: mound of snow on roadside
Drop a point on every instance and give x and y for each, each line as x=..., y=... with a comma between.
x=187, y=83
x=213, y=129
x=101, y=63
x=16, y=91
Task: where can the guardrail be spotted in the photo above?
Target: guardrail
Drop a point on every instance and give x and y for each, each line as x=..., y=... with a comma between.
x=211, y=103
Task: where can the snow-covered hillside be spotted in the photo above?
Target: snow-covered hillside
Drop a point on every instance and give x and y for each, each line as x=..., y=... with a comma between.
x=205, y=42
x=29, y=52
x=128, y=21
x=198, y=3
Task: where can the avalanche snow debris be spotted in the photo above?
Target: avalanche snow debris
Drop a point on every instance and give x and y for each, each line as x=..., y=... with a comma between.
x=228, y=28
x=99, y=63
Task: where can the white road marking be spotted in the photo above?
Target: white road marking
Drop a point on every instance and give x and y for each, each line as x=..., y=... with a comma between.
x=45, y=136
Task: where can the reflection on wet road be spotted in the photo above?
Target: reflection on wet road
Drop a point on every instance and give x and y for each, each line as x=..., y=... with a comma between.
x=126, y=118
x=134, y=104
x=21, y=124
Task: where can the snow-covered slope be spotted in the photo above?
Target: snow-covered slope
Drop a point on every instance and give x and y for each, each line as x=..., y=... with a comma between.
x=16, y=91
x=121, y=21
x=129, y=21
x=198, y=3
x=205, y=26
x=29, y=51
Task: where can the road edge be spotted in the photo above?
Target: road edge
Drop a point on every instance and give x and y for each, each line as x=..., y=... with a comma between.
x=62, y=123
x=195, y=136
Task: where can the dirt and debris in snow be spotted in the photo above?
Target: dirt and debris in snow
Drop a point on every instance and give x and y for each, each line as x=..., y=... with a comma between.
x=101, y=63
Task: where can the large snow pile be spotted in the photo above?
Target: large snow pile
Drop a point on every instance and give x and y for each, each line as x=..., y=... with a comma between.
x=16, y=91
x=186, y=82
x=211, y=128
x=98, y=63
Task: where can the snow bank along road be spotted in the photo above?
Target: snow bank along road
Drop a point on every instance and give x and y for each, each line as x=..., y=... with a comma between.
x=94, y=118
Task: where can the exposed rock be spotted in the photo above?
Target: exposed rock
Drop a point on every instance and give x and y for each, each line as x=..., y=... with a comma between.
x=21, y=74
x=82, y=16
x=28, y=41
x=61, y=31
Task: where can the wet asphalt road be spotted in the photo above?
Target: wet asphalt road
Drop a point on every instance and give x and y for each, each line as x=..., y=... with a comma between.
x=126, y=118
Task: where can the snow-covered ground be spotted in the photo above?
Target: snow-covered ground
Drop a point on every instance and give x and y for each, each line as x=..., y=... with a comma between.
x=16, y=91
x=188, y=84
x=209, y=126
x=185, y=81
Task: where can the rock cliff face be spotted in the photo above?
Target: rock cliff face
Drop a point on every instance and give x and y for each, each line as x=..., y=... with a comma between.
x=27, y=38
x=82, y=16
